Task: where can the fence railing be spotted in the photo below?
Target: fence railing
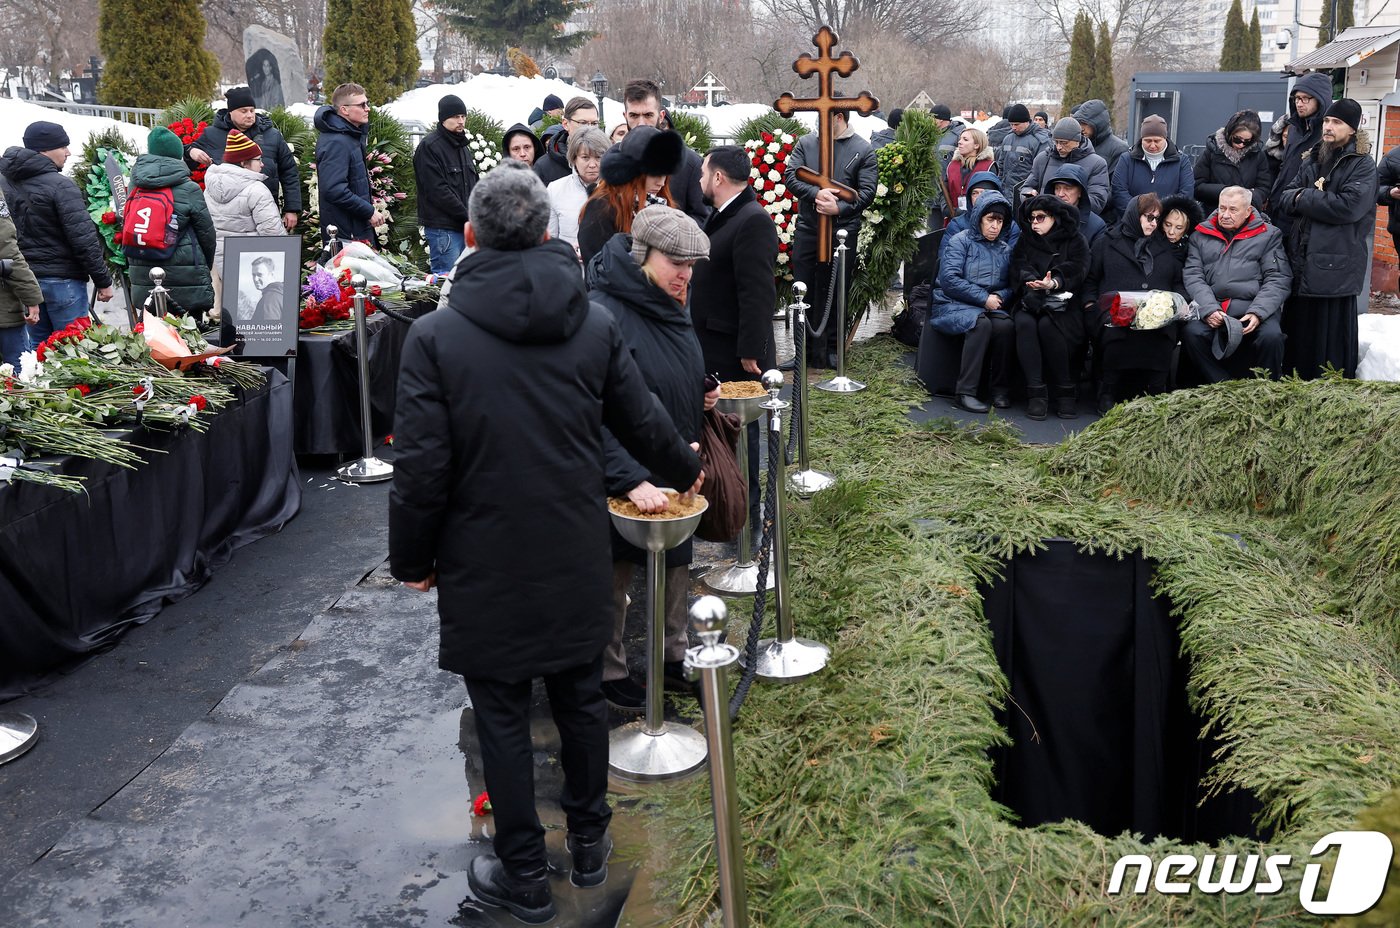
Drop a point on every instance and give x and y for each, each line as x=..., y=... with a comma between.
x=132, y=114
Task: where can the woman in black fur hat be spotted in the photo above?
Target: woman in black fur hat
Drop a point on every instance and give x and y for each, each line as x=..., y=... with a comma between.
x=634, y=173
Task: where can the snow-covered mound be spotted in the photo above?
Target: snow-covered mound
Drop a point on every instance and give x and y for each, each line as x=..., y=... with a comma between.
x=1379, y=358
x=15, y=115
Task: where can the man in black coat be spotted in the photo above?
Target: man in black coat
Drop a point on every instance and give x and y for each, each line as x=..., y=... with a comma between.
x=279, y=164
x=856, y=167
x=56, y=234
x=502, y=400
x=341, y=172
x=445, y=173
x=1312, y=94
x=642, y=99
x=1333, y=208
x=733, y=294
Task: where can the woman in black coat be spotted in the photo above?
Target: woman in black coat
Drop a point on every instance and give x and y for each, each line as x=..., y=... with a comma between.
x=1048, y=266
x=1234, y=157
x=1133, y=255
x=646, y=290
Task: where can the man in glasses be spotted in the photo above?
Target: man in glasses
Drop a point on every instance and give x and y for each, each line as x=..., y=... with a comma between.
x=1234, y=157
x=1311, y=96
x=1069, y=146
x=341, y=174
x=579, y=113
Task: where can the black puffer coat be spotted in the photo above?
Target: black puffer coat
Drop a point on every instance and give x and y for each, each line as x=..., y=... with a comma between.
x=445, y=175
x=1221, y=165
x=1303, y=134
x=343, y=176
x=1388, y=176
x=56, y=233
x=502, y=399
x=658, y=333
x=1329, y=242
x=279, y=162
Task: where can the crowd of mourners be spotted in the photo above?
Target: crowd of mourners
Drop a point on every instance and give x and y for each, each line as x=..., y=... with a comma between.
x=1265, y=236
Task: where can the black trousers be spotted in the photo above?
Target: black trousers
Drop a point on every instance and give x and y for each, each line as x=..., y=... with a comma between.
x=817, y=277
x=507, y=759
x=1044, y=346
x=1261, y=348
x=994, y=335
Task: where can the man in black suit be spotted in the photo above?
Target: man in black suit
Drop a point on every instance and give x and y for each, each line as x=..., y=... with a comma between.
x=732, y=295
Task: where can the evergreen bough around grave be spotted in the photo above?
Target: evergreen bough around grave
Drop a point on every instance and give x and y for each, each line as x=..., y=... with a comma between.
x=865, y=791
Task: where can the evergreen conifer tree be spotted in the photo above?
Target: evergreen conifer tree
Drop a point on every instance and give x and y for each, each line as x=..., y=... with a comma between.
x=1101, y=85
x=501, y=24
x=154, y=53
x=1346, y=17
x=1079, y=72
x=1234, y=48
x=1256, y=43
x=372, y=43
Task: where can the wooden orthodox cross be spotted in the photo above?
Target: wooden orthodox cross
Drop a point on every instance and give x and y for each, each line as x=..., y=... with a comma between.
x=823, y=104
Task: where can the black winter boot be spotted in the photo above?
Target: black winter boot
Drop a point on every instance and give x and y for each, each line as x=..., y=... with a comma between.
x=590, y=859
x=1037, y=402
x=1067, y=402
x=525, y=896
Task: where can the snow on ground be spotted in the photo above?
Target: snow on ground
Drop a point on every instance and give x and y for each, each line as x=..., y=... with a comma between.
x=509, y=100
x=1379, y=357
x=15, y=115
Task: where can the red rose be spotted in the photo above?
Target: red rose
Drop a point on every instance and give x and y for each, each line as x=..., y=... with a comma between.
x=198, y=402
x=140, y=327
x=767, y=137
x=109, y=218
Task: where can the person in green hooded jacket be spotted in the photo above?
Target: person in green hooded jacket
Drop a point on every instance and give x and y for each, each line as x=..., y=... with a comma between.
x=187, y=270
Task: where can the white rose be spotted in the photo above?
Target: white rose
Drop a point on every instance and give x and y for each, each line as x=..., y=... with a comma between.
x=774, y=146
x=753, y=173
x=788, y=139
x=767, y=159
x=782, y=258
x=774, y=176
x=881, y=190
x=780, y=190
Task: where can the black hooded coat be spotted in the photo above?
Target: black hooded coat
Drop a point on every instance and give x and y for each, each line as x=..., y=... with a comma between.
x=1125, y=259
x=498, y=480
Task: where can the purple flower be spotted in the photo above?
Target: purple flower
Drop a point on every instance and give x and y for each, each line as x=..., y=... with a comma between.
x=321, y=285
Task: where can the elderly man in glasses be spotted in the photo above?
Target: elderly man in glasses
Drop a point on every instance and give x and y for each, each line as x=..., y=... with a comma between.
x=341, y=174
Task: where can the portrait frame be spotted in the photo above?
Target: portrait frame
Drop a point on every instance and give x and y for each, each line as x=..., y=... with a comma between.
x=261, y=298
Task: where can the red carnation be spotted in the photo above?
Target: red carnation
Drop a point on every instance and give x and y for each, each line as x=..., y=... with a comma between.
x=139, y=328
x=138, y=391
x=481, y=805
x=82, y=388
x=198, y=402
x=109, y=218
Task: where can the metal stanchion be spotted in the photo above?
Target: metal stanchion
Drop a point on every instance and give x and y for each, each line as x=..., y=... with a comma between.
x=743, y=576
x=160, y=297
x=655, y=749
x=841, y=383
x=368, y=469
x=330, y=247
x=710, y=663
x=19, y=731
x=806, y=480
x=786, y=657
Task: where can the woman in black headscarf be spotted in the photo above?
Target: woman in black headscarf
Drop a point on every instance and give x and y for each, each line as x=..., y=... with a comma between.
x=1133, y=255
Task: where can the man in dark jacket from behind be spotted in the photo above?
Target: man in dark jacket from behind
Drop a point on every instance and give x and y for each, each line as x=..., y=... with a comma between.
x=279, y=163
x=341, y=172
x=732, y=295
x=476, y=483
x=1312, y=94
x=56, y=233
x=885, y=136
x=445, y=174
x=1333, y=207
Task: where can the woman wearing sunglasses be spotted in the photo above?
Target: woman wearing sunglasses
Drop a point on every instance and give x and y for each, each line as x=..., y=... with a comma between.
x=1234, y=157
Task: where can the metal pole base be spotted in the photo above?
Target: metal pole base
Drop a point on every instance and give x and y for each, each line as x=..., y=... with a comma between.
x=809, y=482
x=642, y=756
x=365, y=470
x=786, y=661
x=18, y=732
x=841, y=385
x=737, y=580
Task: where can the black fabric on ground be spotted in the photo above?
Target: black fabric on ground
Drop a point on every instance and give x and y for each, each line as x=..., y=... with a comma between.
x=78, y=569
x=1100, y=725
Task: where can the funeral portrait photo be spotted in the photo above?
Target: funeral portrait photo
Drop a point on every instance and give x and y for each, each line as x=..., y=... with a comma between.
x=260, y=294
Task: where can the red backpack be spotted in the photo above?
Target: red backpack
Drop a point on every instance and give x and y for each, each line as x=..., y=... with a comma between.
x=150, y=228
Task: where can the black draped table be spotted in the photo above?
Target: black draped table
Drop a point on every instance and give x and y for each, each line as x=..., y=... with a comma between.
x=328, y=385
x=78, y=569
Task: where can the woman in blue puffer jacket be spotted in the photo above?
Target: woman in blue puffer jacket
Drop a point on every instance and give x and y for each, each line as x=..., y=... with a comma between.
x=971, y=299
